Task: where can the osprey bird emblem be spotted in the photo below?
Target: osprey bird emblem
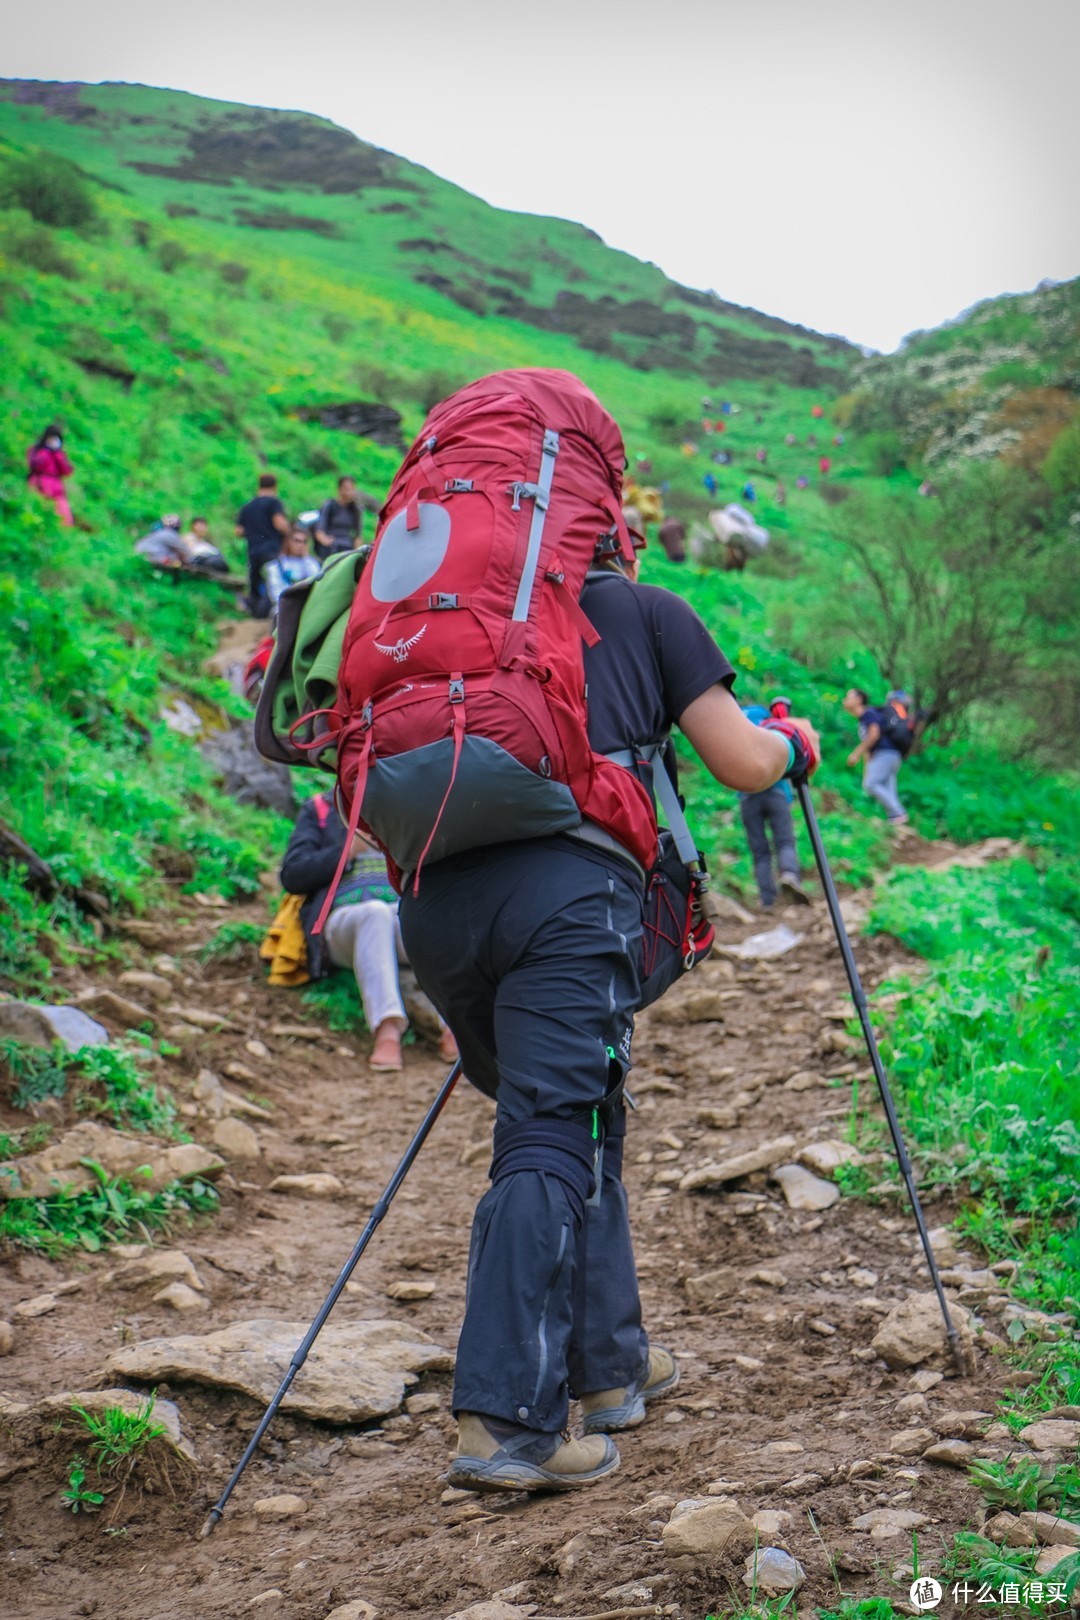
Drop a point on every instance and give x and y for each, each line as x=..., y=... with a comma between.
x=401, y=648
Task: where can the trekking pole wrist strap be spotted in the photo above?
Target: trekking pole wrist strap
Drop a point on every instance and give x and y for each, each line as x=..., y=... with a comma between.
x=802, y=760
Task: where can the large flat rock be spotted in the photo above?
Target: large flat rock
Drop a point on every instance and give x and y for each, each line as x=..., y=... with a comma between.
x=356, y=1370
x=62, y=1164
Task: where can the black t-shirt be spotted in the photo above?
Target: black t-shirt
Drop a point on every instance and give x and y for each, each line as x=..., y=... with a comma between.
x=655, y=656
x=342, y=521
x=877, y=717
x=257, y=521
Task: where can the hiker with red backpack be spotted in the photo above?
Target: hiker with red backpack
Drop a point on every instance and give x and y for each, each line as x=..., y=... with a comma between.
x=362, y=932
x=519, y=824
x=885, y=740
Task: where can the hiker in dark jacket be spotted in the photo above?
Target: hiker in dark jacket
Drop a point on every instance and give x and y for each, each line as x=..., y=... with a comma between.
x=768, y=813
x=263, y=524
x=362, y=930
x=340, y=524
x=532, y=950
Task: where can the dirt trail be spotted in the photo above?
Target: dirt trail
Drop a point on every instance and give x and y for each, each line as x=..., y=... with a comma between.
x=776, y=1396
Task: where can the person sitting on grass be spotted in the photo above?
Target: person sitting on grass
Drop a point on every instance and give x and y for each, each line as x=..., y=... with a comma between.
x=200, y=552
x=163, y=547
x=294, y=563
x=362, y=931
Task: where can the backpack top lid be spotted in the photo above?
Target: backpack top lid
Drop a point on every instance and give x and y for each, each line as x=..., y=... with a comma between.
x=555, y=399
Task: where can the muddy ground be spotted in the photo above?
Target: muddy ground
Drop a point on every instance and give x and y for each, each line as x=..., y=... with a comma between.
x=780, y=1396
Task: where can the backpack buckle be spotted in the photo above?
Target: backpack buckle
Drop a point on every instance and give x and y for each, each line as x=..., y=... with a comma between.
x=457, y=690
x=438, y=601
x=366, y=717
x=531, y=492
x=458, y=486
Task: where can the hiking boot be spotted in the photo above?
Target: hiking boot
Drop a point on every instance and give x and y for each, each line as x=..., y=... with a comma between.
x=608, y=1409
x=791, y=885
x=527, y=1461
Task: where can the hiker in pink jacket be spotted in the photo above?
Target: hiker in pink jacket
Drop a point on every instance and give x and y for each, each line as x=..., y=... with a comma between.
x=48, y=467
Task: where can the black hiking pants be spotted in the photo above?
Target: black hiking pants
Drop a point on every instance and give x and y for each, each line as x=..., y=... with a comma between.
x=530, y=952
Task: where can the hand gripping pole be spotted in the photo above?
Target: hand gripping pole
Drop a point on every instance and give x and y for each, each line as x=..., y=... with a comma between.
x=858, y=996
x=331, y=1300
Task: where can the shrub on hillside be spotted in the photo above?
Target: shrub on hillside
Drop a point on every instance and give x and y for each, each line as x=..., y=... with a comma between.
x=50, y=189
x=233, y=274
x=32, y=244
x=962, y=599
x=170, y=256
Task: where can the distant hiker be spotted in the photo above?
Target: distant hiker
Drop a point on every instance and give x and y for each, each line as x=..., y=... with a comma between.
x=817, y=411
x=770, y=812
x=823, y=466
x=294, y=562
x=838, y=440
x=200, y=553
x=749, y=494
x=48, y=465
x=882, y=755
x=643, y=466
x=725, y=406
x=710, y=483
x=722, y=458
x=672, y=535
x=340, y=522
x=790, y=440
x=362, y=931
x=532, y=947
x=811, y=441
x=802, y=482
x=780, y=492
x=263, y=524
x=926, y=488
x=689, y=448
x=707, y=425
x=164, y=547
x=761, y=455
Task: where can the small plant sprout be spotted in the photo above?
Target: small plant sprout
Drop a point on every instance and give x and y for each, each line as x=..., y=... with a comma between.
x=75, y=1497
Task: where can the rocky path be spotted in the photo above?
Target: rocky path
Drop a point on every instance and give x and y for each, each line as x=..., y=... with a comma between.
x=769, y=1288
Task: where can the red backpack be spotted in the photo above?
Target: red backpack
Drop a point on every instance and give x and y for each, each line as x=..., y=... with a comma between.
x=460, y=718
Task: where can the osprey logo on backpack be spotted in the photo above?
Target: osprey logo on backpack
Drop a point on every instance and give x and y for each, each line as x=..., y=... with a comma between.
x=476, y=571
x=402, y=648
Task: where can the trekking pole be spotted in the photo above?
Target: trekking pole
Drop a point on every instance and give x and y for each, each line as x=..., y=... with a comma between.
x=331, y=1299
x=858, y=996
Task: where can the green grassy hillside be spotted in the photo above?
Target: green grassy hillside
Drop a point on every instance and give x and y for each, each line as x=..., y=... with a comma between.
x=182, y=282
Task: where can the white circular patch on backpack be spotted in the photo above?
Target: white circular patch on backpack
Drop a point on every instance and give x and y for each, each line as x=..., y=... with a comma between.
x=405, y=559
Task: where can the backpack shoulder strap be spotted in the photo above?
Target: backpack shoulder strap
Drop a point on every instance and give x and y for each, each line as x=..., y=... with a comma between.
x=653, y=754
x=322, y=808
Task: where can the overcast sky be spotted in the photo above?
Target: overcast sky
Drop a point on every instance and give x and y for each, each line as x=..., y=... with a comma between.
x=863, y=167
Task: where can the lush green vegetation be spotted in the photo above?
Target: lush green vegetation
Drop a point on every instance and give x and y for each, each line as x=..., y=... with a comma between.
x=984, y=1054
x=183, y=293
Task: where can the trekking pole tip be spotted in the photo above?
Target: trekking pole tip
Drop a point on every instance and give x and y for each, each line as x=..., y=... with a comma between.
x=212, y=1520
